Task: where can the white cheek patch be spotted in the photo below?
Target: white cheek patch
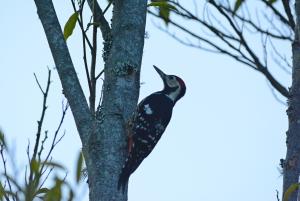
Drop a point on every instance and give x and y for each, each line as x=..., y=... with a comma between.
x=172, y=83
x=174, y=94
x=147, y=109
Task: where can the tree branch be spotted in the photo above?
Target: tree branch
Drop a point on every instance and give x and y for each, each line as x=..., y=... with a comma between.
x=100, y=19
x=255, y=26
x=277, y=13
x=84, y=41
x=218, y=48
x=54, y=141
x=239, y=49
x=287, y=9
x=263, y=69
x=65, y=67
x=40, y=122
x=5, y=172
x=93, y=68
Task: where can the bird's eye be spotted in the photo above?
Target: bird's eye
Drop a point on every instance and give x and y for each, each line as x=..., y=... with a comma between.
x=172, y=77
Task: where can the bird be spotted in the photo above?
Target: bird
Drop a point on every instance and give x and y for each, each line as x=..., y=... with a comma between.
x=149, y=122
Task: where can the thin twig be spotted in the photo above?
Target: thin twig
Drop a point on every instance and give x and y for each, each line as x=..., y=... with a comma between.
x=283, y=58
x=93, y=65
x=100, y=19
x=275, y=95
x=38, y=83
x=257, y=26
x=107, y=7
x=4, y=194
x=25, y=176
x=60, y=138
x=42, y=145
x=277, y=195
x=28, y=158
x=248, y=62
x=237, y=45
x=97, y=77
x=46, y=177
x=81, y=23
x=263, y=69
x=277, y=12
x=287, y=9
x=5, y=169
x=54, y=142
x=40, y=122
x=84, y=40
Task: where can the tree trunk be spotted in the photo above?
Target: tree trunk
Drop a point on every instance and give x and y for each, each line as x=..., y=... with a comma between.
x=104, y=136
x=106, y=149
x=291, y=165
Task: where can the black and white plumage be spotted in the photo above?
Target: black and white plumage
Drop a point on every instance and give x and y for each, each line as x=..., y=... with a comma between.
x=151, y=118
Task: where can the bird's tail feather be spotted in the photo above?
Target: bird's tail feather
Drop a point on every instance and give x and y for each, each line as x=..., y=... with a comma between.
x=123, y=180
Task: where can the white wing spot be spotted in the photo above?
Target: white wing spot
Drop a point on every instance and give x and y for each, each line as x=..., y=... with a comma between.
x=147, y=109
x=151, y=137
x=144, y=141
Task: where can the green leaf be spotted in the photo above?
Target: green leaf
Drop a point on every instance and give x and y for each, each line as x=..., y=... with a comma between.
x=290, y=190
x=42, y=190
x=79, y=167
x=70, y=25
x=161, y=4
x=55, y=193
x=164, y=9
x=237, y=5
x=2, y=139
x=164, y=13
x=35, y=166
x=272, y=1
x=2, y=191
x=53, y=164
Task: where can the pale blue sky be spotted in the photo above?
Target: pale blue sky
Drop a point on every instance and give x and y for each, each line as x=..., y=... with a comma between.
x=224, y=142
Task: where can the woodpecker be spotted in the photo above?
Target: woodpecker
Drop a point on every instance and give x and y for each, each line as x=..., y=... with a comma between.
x=148, y=123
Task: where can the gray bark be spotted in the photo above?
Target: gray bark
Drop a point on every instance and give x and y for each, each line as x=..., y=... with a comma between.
x=65, y=67
x=291, y=165
x=104, y=137
x=121, y=90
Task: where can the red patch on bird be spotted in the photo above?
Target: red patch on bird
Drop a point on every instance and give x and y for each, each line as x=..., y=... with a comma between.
x=181, y=82
x=130, y=143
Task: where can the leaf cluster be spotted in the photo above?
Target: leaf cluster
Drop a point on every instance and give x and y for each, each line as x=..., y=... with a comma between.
x=40, y=180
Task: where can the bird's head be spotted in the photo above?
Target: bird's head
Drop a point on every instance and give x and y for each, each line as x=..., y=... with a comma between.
x=174, y=86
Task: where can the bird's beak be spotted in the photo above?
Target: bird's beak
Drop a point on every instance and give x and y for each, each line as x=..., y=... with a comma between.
x=161, y=74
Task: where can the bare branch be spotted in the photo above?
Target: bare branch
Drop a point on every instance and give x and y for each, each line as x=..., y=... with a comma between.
x=37, y=81
x=275, y=95
x=100, y=19
x=257, y=27
x=107, y=7
x=287, y=9
x=277, y=12
x=80, y=21
x=54, y=141
x=245, y=60
x=286, y=66
x=84, y=40
x=46, y=178
x=93, y=67
x=65, y=68
x=40, y=123
x=239, y=49
x=5, y=169
x=42, y=145
x=277, y=195
x=97, y=77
